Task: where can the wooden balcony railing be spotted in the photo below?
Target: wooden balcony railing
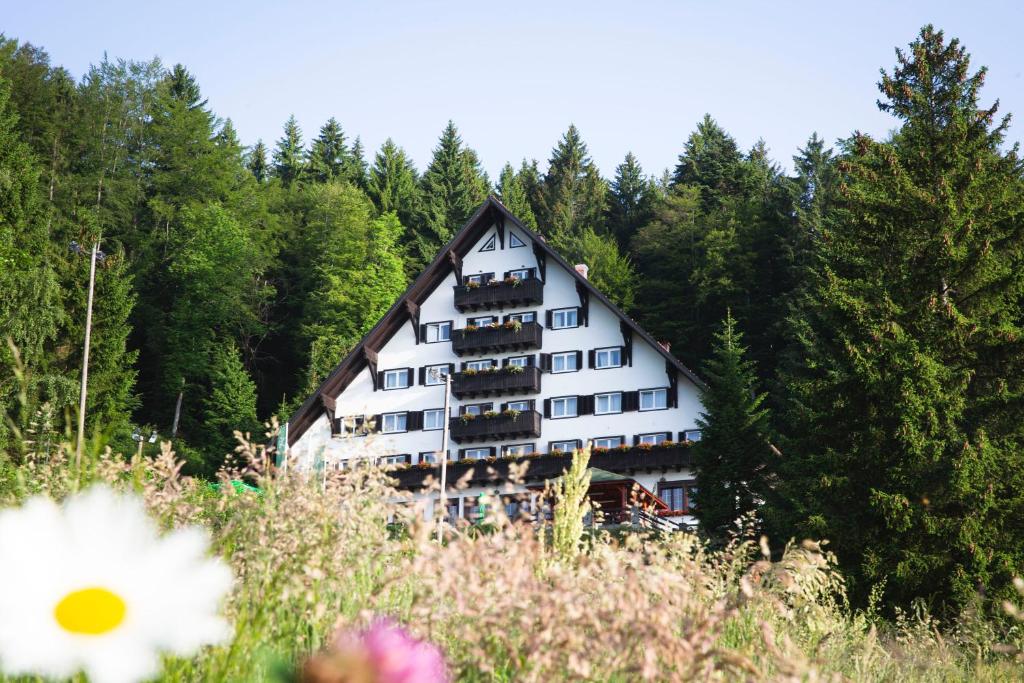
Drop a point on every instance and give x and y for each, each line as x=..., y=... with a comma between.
x=503, y=337
x=501, y=426
x=501, y=294
x=501, y=381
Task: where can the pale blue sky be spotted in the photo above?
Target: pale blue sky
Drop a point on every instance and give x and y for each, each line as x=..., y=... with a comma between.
x=631, y=75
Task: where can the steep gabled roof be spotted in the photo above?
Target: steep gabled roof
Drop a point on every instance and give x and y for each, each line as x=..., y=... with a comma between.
x=490, y=212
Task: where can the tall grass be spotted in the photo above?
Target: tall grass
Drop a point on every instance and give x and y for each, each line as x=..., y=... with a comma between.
x=518, y=603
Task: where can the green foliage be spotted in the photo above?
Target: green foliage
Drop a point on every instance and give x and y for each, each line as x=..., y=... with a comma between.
x=732, y=458
x=393, y=185
x=290, y=156
x=904, y=430
x=329, y=156
x=610, y=271
x=573, y=194
x=257, y=162
x=230, y=404
x=630, y=201
x=512, y=192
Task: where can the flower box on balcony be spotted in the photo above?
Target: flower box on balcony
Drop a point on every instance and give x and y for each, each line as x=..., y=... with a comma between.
x=510, y=336
x=507, y=380
x=510, y=424
x=499, y=294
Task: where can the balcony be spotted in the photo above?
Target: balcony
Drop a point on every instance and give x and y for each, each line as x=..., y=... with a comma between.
x=499, y=426
x=501, y=294
x=501, y=337
x=501, y=381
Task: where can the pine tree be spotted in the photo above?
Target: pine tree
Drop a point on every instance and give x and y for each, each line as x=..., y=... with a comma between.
x=732, y=458
x=229, y=405
x=903, y=432
x=573, y=193
x=630, y=201
x=712, y=162
x=290, y=155
x=610, y=271
x=354, y=166
x=393, y=185
x=451, y=188
x=257, y=162
x=512, y=193
x=329, y=154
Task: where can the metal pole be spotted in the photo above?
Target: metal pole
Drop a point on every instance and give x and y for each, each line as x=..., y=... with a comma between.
x=85, y=358
x=444, y=457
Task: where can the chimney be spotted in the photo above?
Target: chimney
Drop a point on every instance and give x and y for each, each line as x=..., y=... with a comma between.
x=583, y=269
x=666, y=345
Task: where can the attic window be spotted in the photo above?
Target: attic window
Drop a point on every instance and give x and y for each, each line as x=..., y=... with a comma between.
x=514, y=241
x=489, y=244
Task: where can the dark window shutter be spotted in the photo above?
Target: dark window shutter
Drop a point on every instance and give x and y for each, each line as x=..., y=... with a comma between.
x=547, y=319
x=590, y=358
x=673, y=397
x=451, y=368
x=579, y=360
x=423, y=333
x=504, y=362
x=668, y=436
x=378, y=422
x=630, y=400
x=335, y=425
x=414, y=420
x=504, y=407
x=462, y=453
x=585, y=404
x=423, y=375
x=636, y=439
x=545, y=362
x=380, y=380
x=412, y=378
x=462, y=367
x=506, y=274
x=531, y=360
x=547, y=407
x=494, y=451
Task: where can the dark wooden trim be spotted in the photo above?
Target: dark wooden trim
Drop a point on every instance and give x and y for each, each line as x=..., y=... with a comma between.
x=413, y=310
x=540, y=252
x=583, y=317
x=499, y=225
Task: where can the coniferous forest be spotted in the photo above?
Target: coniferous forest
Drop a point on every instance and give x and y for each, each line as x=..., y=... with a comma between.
x=859, y=319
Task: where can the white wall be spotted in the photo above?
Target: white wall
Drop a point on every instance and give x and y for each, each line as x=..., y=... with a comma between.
x=647, y=371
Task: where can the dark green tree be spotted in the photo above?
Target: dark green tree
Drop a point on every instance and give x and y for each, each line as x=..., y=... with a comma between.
x=904, y=435
x=573, y=195
x=630, y=201
x=328, y=156
x=354, y=168
x=290, y=155
x=393, y=185
x=712, y=162
x=512, y=193
x=229, y=405
x=732, y=459
x=257, y=162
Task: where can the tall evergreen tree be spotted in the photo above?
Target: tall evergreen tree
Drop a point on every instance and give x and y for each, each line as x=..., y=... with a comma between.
x=904, y=432
x=354, y=166
x=574, y=194
x=290, y=155
x=512, y=193
x=711, y=161
x=731, y=460
x=229, y=405
x=257, y=162
x=451, y=188
x=609, y=270
x=630, y=201
x=393, y=185
x=329, y=154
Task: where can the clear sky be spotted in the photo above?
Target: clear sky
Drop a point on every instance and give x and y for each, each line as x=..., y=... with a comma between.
x=513, y=75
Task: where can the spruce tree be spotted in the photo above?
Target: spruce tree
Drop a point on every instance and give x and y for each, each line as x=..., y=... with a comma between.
x=329, y=153
x=228, y=405
x=354, y=166
x=573, y=195
x=630, y=201
x=732, y=458
x=904, y=435
x=610, y=270
x=512, y=193
x=711, y=161
x=393, y=185
x=290, y=155
x=257, y=162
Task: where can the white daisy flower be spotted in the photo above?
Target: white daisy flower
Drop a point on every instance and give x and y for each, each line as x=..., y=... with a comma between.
x=93, y=587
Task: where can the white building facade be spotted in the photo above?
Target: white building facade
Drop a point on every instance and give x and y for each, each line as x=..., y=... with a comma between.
x=540, y=361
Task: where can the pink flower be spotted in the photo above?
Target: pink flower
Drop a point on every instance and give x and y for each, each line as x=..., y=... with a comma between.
x=383, y=653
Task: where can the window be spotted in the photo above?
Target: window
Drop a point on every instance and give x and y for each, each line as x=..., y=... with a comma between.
x=433, y=419
x=354, y=425
x=477, y=408
x=691, y=435
x=608, y=358
x=678, y=495
x=608, y=442
x=564, y=362
x=437, y=332
x=479, y=278
x=527, y=317
x=518, y=361
x=652, y=439
x=396, y=379
x=563, y=446
x=514, y=241
x=434, y=374
x=476, y=453
x=653, y=399
x=489, y=244
x=395, y=459
x=520, y=273
x=517, y=449
x=478, y=365
x=605, y=404
x=563, y=407
x=563, y=317
x=394, y=422
x=519, y=405
x=482, y=321
x=431, y=456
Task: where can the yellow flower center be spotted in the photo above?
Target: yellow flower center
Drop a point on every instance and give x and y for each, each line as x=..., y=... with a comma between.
x=90, y=611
